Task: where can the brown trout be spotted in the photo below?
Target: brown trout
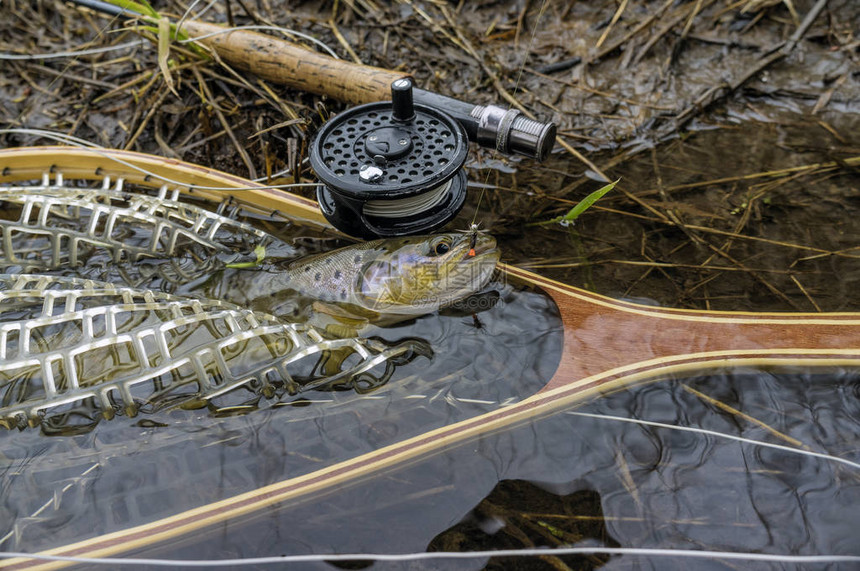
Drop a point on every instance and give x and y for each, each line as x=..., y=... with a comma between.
x=388, y=280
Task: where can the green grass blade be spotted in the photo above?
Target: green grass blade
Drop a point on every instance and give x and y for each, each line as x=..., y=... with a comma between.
x=586, y=203
x=259, y=252
x=143, y=7
x=580, y=207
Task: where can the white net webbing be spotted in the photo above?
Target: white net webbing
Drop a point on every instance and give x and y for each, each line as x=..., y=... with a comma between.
x=55, y=224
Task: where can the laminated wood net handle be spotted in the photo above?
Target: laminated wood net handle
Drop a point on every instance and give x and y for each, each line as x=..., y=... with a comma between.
x=607, y=345
x=295, y=66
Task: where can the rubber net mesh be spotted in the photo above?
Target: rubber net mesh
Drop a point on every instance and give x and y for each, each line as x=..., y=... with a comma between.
x=56, y=224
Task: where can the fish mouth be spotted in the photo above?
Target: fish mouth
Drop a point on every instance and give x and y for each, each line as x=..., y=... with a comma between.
x=483, y=245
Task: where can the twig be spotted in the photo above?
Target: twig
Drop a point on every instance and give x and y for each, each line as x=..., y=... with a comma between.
x=735, y=412
x=612, y=22
x=342, y=40
x=580, y=86
x=558, y=66
x=676, y=49
x=650, y=264
x=159, y=138
x=824, y=99
x=152, y=108
x=775, y=290
x=64, y=74
x=520, y=21
x=673, y=21
x=581, y=158
x=629, y=35
x=673, y=221
x=804, y=292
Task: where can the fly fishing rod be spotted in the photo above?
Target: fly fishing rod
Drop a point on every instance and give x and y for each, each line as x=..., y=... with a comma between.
x=393, y=165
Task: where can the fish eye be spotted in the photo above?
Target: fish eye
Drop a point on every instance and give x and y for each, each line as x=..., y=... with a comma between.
x=441, y=247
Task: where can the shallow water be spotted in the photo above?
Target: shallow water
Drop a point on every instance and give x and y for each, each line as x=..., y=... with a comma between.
x=567, y=478
x=562, y=479
x=129, y=471
x=605, y=482
x=728, y=187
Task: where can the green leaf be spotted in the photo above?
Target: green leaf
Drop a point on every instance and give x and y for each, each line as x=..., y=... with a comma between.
x=143, y=7
x=259, y=252
x=581, y=207
x=586, y=203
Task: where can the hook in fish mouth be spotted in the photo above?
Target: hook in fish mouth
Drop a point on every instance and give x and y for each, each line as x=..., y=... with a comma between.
x=476, y=249
x=473, y=231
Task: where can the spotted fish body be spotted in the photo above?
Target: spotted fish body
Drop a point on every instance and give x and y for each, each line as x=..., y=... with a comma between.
x=396, y=278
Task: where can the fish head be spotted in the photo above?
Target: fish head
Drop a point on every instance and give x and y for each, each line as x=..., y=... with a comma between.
x=415, y=275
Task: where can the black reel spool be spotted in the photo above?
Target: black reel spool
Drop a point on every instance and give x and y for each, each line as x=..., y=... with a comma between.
x=391, y=168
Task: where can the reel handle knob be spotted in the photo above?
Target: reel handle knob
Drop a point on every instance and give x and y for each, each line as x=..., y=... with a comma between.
x=401, y=100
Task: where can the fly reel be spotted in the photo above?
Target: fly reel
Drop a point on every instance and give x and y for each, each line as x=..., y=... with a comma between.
x=391, y=168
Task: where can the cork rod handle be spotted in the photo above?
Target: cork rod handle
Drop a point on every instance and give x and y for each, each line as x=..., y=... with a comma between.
x=292, y=65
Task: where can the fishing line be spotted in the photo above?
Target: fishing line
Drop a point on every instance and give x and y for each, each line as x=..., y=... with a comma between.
x=285, y=31
x=204, y=10
x=453, y=400
x=74, y=53
x=188, y=11
x=60, y=137
x=406, y=207
x=720, y=435
x=516, y=88
x=56, y=498
x=423, y=556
